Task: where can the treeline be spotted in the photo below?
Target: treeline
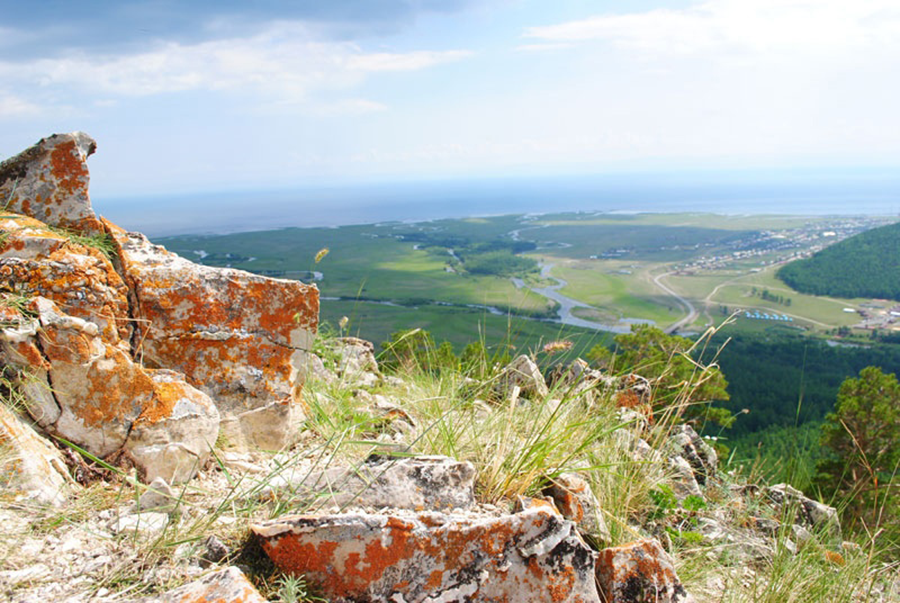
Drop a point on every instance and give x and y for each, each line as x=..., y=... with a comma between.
x=786, y=380
x=866, y=265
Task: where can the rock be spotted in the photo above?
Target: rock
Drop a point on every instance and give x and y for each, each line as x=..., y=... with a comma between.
x=148, y=523
x=216, y=550
x=49, y=182
x=639, y=572
x=229, y=585
x=683, y=441
x=29, y=464
x=102, y=400
x=530, y=556
x=818, y=516
x=356, y=359
x=241, y=338
x=522, y=373
x=434, y=483
x=157, y=495
x=575, y=500
x=682, y=480
x=79, y=278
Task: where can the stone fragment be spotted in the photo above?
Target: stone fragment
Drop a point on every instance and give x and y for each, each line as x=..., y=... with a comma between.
x=356, y=358
x=49, y=182
x=530, y=556
x=148, y=523
x=157, y=495
x=29, y=464
x=243, y=339
x=434, y=483
x=575, y=500
x=686, y=443
x=525, y=376
x=216, y=550
x=79, y=278
x=229, y=585
x=639, y=572
x=818, y=516
x=682, y=478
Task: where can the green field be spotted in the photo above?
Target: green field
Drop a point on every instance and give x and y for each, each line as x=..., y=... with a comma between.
x=389, y=276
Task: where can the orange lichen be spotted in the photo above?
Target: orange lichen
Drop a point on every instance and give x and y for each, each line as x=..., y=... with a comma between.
x=68, y=167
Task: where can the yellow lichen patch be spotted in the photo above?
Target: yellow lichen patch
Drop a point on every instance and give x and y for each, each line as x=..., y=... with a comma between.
x=68, y=168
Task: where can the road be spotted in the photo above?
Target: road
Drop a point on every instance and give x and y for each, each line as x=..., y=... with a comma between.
x=692, y=313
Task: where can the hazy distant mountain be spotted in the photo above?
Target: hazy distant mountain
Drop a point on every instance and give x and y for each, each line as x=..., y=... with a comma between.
x=866, y=265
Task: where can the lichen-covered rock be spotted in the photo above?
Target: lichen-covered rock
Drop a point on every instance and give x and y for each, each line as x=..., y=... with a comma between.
x=92, y=393
x=686, y=443
x=575, y=500
x=241, y=338
x=49, y=181
x=29, y=464
x=530, y=556
x=433, y=483
x=39, y=261
x=229, y=585
x=818, y=516
x=639, y=572
x=521, y=377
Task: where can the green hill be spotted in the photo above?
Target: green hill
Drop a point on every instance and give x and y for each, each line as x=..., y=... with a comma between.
x=866, y=265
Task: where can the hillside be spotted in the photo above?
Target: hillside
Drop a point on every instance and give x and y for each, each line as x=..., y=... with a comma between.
x=865, y=265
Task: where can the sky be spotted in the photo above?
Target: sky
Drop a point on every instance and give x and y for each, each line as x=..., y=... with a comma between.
x=218, y=95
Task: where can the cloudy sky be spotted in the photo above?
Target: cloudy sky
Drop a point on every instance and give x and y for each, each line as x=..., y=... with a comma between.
x=226, y=94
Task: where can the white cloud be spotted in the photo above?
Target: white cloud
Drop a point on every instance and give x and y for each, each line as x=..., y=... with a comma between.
x=13, y=107
x=756, y=26
x=281, y=64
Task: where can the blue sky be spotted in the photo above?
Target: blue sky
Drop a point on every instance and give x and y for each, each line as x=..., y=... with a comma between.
x=213, y=95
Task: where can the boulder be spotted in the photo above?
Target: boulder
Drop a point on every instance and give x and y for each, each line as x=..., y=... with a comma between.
x=92, y=393
x=49, y=181
x=534, y=555
x=639, y=572
x=243, y=339
x=29, y=464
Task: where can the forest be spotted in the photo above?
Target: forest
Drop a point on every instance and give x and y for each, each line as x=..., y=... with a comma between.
x=866, y=265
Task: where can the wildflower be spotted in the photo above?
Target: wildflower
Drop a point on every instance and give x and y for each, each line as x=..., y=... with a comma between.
x=342, y=323
x=321, y=254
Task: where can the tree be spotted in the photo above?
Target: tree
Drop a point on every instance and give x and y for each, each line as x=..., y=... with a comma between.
x=863, y=439
x=676, y=376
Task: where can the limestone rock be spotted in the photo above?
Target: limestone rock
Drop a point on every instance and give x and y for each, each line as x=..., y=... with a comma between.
x=818, y=516
x=524, y=376
x=49, y=181
x=29, y=464
x=79, y=278
x=229, y=585
x=100, y=398
x=639, y=572
x=682, y=480
x=686, y=443
x=530, y=556
x=357, y=357
x=158, y=495
x=575, y=500
x=434, y=483
x=243, y=339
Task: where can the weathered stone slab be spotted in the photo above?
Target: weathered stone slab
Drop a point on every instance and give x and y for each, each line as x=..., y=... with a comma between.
x=239, y=337
x=534, y=555
x=818, y=516
x=686, y=443
x=523, y=376
x=639, y=572
x=49, y=181
x=575, y=500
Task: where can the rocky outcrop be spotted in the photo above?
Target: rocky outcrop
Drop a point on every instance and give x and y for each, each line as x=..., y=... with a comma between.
x=229, y=585
x=128, y=350
x=821, y=518
x=534, y=555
